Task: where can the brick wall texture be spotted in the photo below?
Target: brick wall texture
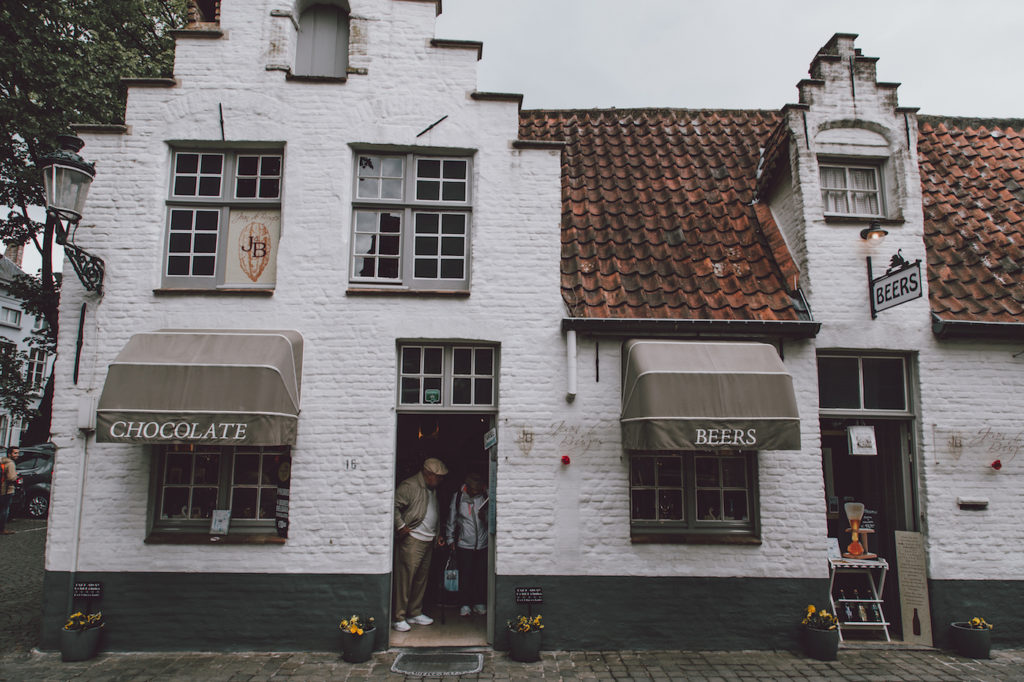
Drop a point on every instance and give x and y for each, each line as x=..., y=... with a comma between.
x=553, y=519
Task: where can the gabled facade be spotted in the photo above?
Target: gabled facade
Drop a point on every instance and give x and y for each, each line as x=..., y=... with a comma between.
x=649, y=328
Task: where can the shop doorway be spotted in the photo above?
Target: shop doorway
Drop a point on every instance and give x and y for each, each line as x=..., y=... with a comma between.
x=884, y=483
x=458, y=441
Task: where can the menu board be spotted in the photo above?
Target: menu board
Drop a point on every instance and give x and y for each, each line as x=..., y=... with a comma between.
x=913, y=580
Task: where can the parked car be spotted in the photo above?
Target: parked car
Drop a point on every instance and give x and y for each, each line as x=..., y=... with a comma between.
x=35, y=467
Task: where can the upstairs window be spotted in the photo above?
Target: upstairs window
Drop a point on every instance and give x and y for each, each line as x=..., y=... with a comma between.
x=10, y=316
x=411, y=221
x=322, y=49
x=36, y=368
x=223, y=219
x=849, y=190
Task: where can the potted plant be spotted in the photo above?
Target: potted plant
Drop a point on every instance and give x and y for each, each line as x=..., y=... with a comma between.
x=524, y=635
x=357, y=635
x=820, y=634
x=972, y=638
x=81, y=636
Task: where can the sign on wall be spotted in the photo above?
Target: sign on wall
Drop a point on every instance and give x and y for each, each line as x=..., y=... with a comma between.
x=253, y=236
x=900, y=283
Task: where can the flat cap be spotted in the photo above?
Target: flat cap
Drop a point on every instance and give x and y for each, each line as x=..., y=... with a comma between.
x=435, y=466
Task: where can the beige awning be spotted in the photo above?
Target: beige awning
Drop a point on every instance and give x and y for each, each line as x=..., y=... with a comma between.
x=225, y=387
x=687, y=395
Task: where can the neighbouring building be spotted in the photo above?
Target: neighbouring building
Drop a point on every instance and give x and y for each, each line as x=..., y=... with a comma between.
x=16, y=328
x=329, y=256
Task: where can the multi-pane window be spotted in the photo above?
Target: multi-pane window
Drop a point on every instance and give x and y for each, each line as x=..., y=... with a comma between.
x=693, y=494
x=10, y=316
x=851, y=190
x=193, y=481
x=36, y=368
x=223, y=218
x=411, y=221
x=862, y=383
x=447, y=375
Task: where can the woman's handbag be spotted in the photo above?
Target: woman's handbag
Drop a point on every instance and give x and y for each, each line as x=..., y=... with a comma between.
x=451, y=573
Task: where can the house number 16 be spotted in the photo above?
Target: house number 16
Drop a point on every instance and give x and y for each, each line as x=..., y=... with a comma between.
x=351, y=464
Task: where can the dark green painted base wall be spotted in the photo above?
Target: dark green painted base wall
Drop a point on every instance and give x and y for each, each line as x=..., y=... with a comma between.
x=221, y=611
x=300, y=612
x=1000, y=602
x=624, y=612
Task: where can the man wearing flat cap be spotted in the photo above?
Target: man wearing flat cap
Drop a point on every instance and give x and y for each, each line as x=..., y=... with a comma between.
x=417, y=528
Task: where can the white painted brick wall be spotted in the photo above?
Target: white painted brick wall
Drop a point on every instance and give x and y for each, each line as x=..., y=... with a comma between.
x=553, y=519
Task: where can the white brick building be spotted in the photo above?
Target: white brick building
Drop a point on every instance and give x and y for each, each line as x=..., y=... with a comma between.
x=390, y=238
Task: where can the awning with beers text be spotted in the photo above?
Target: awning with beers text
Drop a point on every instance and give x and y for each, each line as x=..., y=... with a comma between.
x=688, y=395
x=222, y=387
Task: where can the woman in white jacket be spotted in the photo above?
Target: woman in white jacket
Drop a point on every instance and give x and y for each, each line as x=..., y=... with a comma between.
x=466, y=533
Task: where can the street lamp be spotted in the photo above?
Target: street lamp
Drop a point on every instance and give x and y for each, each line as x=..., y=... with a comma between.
x=66, y=180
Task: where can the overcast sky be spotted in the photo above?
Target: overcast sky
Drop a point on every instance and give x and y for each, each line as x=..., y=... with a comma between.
x=952, y=57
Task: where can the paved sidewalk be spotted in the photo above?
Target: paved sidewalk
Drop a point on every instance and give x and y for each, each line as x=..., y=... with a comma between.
x=860, y=665
x=21, y=584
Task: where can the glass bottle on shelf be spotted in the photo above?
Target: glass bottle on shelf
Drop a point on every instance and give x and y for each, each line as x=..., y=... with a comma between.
x=862, y=613
x=846, y=612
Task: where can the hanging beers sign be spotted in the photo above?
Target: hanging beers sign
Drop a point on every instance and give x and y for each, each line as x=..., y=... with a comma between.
x=900, y=283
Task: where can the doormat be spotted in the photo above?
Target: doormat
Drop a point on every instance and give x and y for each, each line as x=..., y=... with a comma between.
x=438, y=664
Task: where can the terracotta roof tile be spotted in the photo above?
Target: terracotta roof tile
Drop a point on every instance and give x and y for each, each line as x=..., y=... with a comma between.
x=973, y=195
x=659, y=219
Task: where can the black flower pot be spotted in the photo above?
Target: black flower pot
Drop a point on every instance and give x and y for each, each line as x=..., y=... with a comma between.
x=524, y=646
x=971, y=642
x=357, y=648
x=822, y=645
x=79, y=645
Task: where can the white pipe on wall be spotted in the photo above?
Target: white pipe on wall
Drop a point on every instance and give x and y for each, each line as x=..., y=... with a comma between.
x=570, y=360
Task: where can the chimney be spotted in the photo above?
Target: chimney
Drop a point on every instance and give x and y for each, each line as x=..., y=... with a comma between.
x=15, y=253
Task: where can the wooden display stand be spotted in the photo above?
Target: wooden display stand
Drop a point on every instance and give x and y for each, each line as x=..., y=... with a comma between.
x=875, y=571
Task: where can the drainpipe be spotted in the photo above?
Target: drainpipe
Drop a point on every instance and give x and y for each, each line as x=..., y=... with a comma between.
x=570, y=360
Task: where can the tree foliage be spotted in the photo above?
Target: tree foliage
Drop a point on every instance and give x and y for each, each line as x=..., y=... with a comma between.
x=61, y=62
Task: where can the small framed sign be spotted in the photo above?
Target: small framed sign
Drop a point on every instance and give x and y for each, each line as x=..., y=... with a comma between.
x=862, y=440
x=219, y=522
x=91, y=590
x=529, y=595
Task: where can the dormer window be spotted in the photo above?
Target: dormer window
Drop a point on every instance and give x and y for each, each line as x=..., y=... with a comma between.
x=851, y=190
x=322, y=50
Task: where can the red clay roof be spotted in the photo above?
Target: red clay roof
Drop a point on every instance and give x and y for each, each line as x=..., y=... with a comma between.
x=972, y=180
x=659, y=219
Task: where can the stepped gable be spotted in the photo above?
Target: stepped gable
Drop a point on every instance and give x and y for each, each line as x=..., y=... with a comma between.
x=658, y=215
x=972, y=180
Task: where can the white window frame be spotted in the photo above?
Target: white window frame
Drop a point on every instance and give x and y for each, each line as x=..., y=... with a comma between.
x=35, y=368
x=213, y=209
x=10, y=317
x=424, y=243
x=445, y=375
x=849, y=194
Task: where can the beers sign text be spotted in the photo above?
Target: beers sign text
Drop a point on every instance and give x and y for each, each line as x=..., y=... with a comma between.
x=177, y=431
x=726, y=437
x=896, y=287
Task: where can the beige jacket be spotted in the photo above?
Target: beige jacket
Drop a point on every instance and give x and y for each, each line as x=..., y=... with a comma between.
x=411, y=501
x=10, y=476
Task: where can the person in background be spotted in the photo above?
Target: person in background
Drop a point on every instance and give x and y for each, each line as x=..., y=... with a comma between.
x=417, y=527
x=7, y=479
x=467, y=535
